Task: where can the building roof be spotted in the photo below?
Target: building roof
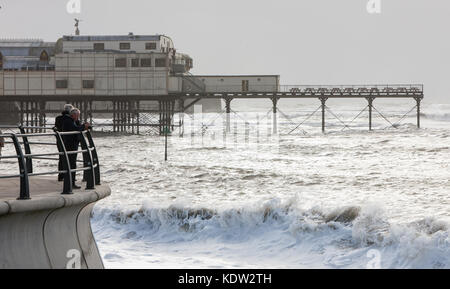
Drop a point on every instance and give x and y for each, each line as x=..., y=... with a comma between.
x=113, y=38
x=25, y=43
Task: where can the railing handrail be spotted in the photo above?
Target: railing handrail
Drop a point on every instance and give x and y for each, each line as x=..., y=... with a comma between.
x=390, y=89
x=91, y=166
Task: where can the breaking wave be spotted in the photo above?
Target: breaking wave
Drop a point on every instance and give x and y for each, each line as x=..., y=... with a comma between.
x=438, y=112
x=420, y=244
x=437, y=116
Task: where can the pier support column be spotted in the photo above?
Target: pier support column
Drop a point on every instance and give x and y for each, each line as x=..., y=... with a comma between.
x=114, y=116
x=418, y=101
x=26, y=111
x=90, y=112
x=42, y=116
x=132, y=115
x=275, y=110
x=138, y=105
x=172, y=115
x=119, y=116
x=123, y=116
x=36, y=115
x=323, y=100
x=181, y=108
x=370, y=101
x=85, y=111
x=22, y=112
x=228, y=108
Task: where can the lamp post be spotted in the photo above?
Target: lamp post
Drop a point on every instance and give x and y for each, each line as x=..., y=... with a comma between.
x=166, y=133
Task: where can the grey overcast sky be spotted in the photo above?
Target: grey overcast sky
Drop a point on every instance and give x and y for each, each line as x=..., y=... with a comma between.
x=304, y=41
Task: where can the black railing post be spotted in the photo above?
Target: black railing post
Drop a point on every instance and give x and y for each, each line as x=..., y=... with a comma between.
x=88, y=175
x=24, y=181
x=67, y=189
x=94, y=158
x=26, y=145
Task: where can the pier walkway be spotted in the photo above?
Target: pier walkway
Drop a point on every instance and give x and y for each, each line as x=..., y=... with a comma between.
x=129, y=115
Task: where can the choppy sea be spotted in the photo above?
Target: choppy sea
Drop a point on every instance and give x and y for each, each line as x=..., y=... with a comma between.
x=249, y=198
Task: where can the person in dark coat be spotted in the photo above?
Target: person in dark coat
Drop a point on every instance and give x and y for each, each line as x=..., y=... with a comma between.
x=59, y=118
x=71, y=142
x=59, y=126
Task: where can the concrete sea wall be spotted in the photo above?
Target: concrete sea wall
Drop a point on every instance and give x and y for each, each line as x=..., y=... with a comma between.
x=51, y=231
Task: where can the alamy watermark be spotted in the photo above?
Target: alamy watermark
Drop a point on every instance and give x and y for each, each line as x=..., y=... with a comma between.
x=374, y=7
x=375, y=259
x=73, y=6
x=74, y=261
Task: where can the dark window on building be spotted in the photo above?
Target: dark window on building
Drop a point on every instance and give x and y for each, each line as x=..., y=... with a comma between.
x=146, y=62
x=160, y=62
x=44, y=56
x=135, y=62
x=121, y=62
x=99, y=46
x=150, y=46
x=1, y=61
x=61, y=83
x=88, y=84
x=125, y=46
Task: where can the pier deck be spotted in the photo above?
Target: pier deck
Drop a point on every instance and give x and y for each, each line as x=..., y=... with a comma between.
x=127, y=110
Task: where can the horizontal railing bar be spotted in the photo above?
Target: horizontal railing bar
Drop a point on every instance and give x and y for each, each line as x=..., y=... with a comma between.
x=38, y=127
x=70, y=133
x=43, y=158
x=47, y=173
x=32, y=143
x=81, y=169
x=81, y=161
x=9, y=157
x=10, y=176
x=42, y=155
x=40, y=143
x=35, y=134
x=76, y=152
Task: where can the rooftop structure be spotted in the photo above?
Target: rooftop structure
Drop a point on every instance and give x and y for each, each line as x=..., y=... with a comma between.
x=26, y=54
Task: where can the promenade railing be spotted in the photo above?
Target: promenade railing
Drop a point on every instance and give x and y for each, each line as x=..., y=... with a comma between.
x=23, y=141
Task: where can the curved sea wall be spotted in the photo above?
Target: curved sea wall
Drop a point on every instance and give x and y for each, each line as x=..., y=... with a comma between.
x=51, y=231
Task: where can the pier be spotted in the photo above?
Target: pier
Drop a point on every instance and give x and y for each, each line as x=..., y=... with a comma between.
x=129, y=115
